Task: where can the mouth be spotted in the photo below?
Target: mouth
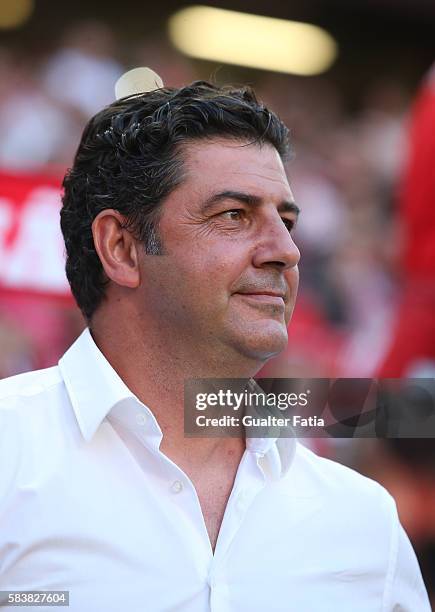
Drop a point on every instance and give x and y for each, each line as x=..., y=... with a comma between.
x=266, y=298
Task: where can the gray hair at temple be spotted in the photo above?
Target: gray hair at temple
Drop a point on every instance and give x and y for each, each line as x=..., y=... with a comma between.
x=130, y=159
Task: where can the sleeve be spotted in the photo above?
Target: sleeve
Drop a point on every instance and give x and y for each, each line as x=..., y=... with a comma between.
x=405, y=590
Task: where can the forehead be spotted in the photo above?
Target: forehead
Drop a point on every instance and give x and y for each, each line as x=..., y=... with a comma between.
x=218, y=164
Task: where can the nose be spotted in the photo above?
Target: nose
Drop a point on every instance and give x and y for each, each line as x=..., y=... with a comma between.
x=275, y=247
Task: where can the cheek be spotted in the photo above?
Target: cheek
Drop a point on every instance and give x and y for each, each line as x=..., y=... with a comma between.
x=292, y=279
x=209, y=281
x=196, y=283
x=203, y=269
x=215, y=266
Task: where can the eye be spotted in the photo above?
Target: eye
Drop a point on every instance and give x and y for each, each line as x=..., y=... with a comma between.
x=289, y=223
x=234, y=214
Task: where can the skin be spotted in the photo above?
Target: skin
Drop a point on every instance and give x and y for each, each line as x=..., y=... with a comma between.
x=204, y=308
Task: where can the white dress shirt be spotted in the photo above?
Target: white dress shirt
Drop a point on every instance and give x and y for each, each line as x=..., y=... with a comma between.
x=90, y=505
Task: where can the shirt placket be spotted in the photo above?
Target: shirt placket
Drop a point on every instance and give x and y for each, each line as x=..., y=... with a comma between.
x=181, y=493
x=250, y=481
x=172, y=485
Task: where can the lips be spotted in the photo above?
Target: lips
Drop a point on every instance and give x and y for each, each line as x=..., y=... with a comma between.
x=272, y=293
x=275, y=295
x=264, y=298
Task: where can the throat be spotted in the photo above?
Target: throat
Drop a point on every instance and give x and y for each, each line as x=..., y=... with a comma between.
x=213, y=479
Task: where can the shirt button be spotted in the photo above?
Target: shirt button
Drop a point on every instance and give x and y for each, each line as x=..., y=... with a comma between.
x=141, y=418
x=176, y=486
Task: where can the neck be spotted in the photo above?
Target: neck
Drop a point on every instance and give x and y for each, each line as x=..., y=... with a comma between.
x=154, y=363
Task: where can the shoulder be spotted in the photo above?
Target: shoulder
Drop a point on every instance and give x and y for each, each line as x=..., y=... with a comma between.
x=365, y=515
x=331, y=478
x=355, y=520
x=32, y=415
x=24, y=397
x=345, y=514
x=28, y=384
x=356, y=506
x=32, y=401
x=27, y=397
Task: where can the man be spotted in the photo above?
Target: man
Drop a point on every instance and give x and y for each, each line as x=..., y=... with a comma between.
x=177, y=219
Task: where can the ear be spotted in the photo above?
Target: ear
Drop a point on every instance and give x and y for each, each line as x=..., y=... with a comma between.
x=116, y=248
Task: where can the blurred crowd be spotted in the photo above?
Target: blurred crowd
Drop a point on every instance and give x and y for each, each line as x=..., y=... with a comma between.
x=345, y=173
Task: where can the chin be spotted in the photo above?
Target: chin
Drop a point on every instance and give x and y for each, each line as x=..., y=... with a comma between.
x=263, y=344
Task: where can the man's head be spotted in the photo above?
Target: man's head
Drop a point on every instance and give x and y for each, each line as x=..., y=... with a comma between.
x=170, y=169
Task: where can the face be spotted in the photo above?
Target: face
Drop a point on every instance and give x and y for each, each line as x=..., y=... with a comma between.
x=227, y=281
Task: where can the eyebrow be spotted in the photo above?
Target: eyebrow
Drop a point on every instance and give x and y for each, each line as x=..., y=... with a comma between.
x=286, y=206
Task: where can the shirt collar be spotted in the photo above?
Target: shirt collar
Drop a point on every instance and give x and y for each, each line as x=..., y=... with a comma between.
x=93, y=386
x=95, y=390
x=275, y=455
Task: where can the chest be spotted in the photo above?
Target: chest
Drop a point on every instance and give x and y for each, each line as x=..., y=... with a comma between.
x=213, y=499
x=284, y=558
x=112, y=533
x=213, y=483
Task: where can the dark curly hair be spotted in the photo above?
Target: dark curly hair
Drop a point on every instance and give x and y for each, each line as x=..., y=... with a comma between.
x=130, y=159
